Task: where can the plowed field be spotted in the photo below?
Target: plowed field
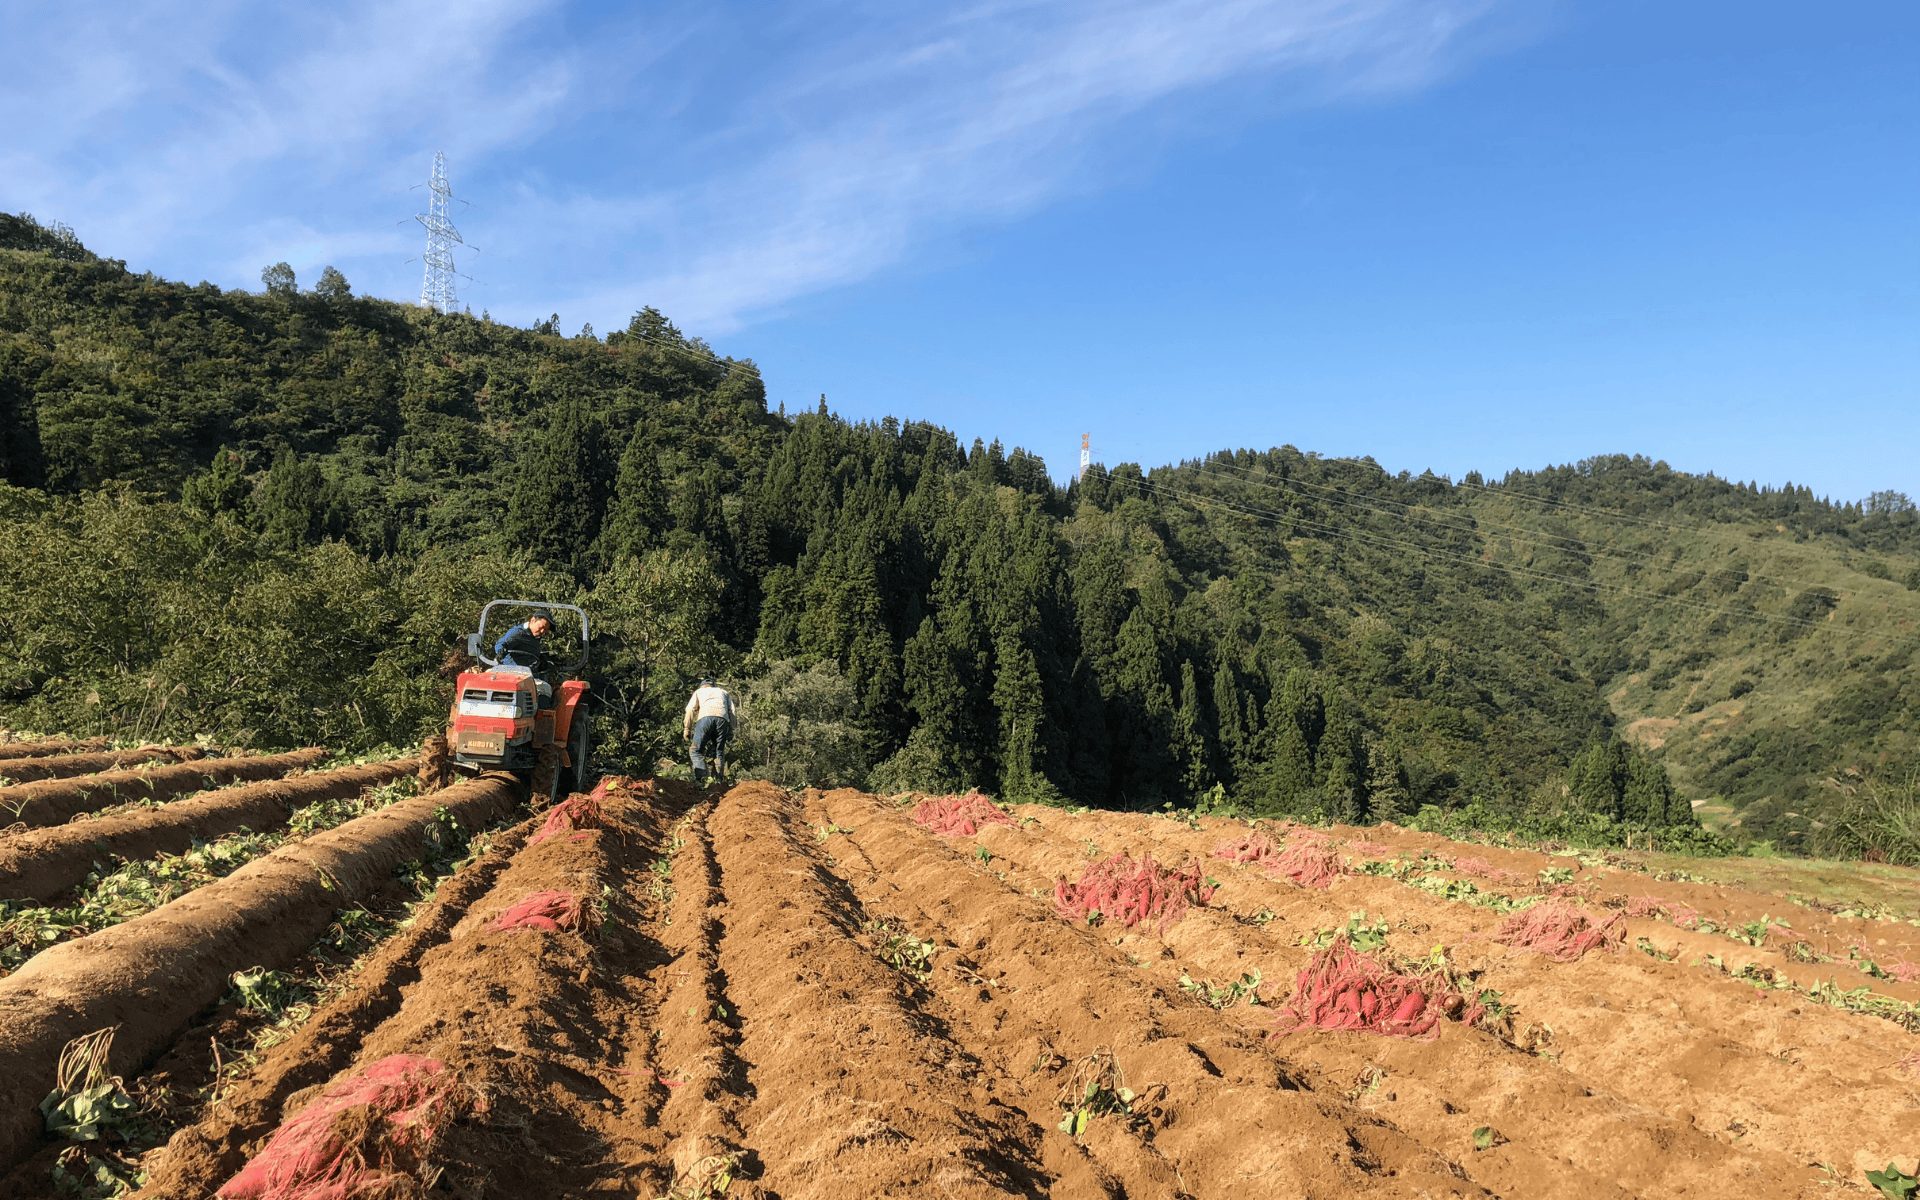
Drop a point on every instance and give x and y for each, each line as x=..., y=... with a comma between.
x=760, y=993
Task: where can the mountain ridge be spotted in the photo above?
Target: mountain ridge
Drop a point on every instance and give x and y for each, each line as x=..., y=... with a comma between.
x=1271, y=629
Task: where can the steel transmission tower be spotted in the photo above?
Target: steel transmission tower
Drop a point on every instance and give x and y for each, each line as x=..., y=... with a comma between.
x=436, y=284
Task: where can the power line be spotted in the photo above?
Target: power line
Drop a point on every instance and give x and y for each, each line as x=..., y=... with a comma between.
x=1398, y=543
x=1594, y=510
x=731, y=364
x=1515, y=532
x=1478, y=528
x=1573, y=581
x=1502, y=490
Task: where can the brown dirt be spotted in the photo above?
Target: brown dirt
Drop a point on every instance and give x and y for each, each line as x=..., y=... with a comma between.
x=737, y=1003
x=1724, y=904
x=749, y=1016
x=35, y=748
x=1223, y=1114
x=542, y=1025
x=41, y=864
x=52, y=801
x=150, y=975
x=1769, y=1076
x=66, y=766
x=436, y=764
x=198, y=1158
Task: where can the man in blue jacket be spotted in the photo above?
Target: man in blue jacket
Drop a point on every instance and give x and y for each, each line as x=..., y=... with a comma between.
x=521, y=646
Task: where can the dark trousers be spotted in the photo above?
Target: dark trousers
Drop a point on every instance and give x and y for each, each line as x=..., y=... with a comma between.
x=709, y=735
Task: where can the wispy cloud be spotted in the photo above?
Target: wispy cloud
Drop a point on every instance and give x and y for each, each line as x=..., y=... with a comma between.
x=720, y=165
x=906, y=131
x=157, y=128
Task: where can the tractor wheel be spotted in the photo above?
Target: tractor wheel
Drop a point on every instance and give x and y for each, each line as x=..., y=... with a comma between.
x=578, y=743
x=545, y=784
x=436, y=764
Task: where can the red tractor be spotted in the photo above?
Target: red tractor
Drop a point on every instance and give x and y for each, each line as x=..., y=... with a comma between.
x=507, y=717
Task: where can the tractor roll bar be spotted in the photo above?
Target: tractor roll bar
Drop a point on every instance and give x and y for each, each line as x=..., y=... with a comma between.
x=476, y=641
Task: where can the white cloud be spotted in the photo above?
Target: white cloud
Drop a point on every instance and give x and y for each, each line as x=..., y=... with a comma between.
x=156, y=124
x=718, y=164
x=913, y=130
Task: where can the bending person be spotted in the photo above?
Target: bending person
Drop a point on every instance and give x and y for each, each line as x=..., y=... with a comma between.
x=708, y=725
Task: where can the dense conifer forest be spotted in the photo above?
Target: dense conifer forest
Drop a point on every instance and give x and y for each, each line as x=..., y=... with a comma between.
x=269, y=517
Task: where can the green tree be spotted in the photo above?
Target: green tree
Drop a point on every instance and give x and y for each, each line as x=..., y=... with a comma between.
x=294, y=503
x=800, y=727
x=22, y=462
x=1647, y=797
x=1190, y=735
x=1391, y=799
x=332, y=288
x=1597, y=780
x=1294, y=719
x=279, y=281
x=560, y=491
x=697, y=511
x=1303, y=704
x=221, y=488
x=637, y=518
x=657, y=616
x=1230, y=720
x=1340, y=761
x=651, y=325
x=1141, y=702
x=1287, y=782
x=937, y=755
x=1018, y=699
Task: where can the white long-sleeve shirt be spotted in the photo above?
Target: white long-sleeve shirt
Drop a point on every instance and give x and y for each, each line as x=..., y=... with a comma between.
x=710, y=701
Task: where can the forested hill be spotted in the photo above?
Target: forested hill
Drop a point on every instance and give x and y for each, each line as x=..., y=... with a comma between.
x=269, y=517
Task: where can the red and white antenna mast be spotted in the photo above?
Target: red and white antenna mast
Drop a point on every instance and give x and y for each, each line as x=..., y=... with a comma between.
x=1086, y=455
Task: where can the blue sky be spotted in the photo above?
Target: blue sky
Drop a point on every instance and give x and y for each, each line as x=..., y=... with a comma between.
x=1447, y=233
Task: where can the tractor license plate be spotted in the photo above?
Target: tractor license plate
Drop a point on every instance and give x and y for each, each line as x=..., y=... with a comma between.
x=494, y=744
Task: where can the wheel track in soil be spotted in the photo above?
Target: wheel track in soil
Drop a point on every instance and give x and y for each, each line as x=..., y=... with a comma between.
x=699, y=1079
x=1230, y=1117
x=1692, y=1046
x=854, y=1087
x=551, y=1029
x=514, y=1015
x=1105, y=1164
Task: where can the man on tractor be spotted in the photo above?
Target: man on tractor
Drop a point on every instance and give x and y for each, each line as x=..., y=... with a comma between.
x=708, y=725
x=522, y=645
